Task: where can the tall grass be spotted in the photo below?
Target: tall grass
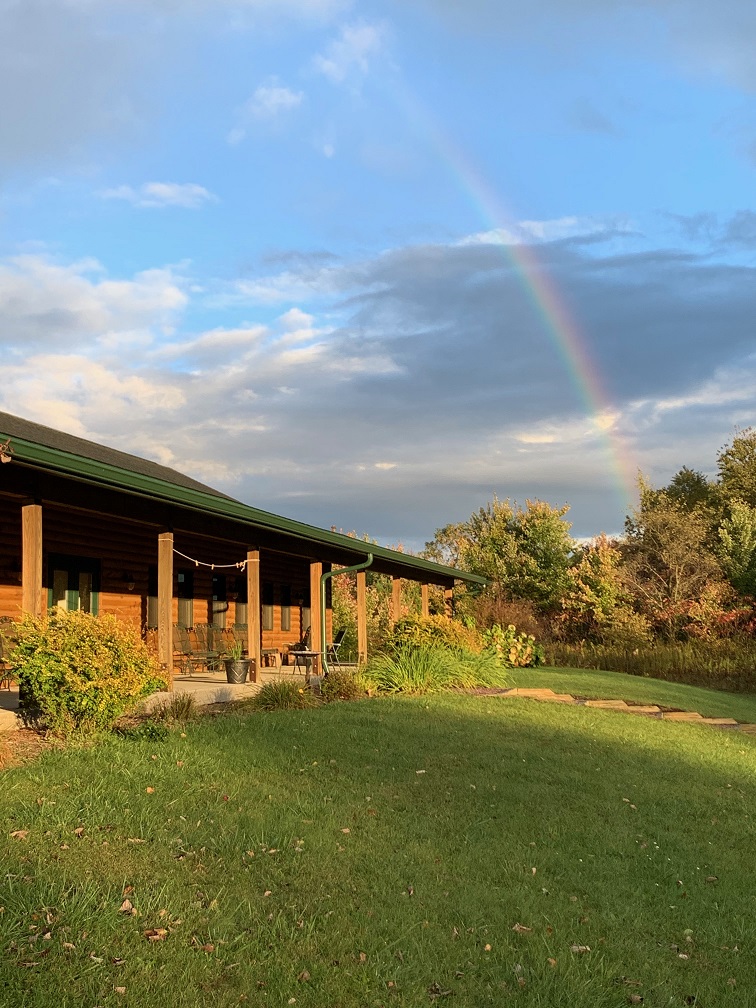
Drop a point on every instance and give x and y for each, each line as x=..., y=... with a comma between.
x=724, y=664
x=419, y=670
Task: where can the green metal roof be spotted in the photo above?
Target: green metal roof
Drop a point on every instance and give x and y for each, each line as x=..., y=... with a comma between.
x=207, y=501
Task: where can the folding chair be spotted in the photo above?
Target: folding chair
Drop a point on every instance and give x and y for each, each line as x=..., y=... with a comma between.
x=332, y=649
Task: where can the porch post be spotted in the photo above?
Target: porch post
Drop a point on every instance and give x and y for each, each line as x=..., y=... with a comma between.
x=31, y=559
x=316, y=629
x=362, y=638
x=254, y=611
x=448, y=598
x=165, y=604
x=396, y=598
x=424, y=606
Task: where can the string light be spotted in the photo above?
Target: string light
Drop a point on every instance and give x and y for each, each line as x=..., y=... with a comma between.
x=240, y=565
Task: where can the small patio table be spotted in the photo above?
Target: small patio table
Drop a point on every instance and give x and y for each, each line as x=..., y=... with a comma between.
x=308, y=659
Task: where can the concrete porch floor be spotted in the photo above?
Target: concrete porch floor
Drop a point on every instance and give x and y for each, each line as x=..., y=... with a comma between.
x=206, y=687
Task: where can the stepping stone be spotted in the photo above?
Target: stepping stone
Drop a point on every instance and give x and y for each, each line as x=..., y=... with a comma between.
x=749, y=729
x=535, y=694
x=608, y=704
x=644, y=710
x=682, y=716
x=563, y=698
x=721, y=722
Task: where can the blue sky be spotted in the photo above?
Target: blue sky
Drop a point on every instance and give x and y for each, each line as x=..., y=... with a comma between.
x=291, y=246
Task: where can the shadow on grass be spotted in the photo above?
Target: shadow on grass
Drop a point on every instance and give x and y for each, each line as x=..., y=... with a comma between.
x=413, y=833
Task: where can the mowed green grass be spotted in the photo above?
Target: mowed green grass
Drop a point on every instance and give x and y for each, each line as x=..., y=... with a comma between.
x=380, y=853
x=639, y=689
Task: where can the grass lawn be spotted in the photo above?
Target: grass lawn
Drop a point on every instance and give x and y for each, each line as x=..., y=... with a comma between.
x=638, y=689
x=400, y=852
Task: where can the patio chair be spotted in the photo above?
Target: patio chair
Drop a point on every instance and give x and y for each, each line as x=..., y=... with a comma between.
x=332, y=649
x=206, y=646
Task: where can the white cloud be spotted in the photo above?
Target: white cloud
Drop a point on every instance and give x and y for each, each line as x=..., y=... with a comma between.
x=46, y=303
x=350, y=54
x=162, y=194
x=269, y=101
x=527, y=232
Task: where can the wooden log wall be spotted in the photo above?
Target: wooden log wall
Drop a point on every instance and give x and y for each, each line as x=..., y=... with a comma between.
x=10, y=556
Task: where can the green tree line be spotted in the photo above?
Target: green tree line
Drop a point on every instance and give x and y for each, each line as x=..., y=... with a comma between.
x=685, y=567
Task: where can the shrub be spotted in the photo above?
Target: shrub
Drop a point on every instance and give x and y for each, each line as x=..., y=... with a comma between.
x=282, y=694
x=79, y=673
x=425, y=631
x=513, y=649
x=340, y=684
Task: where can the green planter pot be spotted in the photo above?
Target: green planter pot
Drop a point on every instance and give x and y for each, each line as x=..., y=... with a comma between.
x=237, y=669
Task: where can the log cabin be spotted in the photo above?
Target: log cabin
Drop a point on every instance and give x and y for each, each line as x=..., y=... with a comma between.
x=88, y=527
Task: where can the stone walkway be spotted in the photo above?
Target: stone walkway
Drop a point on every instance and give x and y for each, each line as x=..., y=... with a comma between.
x=690, y=717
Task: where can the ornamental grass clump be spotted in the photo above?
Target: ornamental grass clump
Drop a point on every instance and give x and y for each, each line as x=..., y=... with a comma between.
x=281, y=694
x=79, y=673
x=421, y=670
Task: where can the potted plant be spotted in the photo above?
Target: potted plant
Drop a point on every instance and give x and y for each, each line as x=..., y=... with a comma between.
x=237, y=666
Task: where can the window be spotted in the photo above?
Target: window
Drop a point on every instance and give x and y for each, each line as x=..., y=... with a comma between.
x=267, y=605
x=185, y=594
x=286, y=607
x=219, y=603
x=74, y=583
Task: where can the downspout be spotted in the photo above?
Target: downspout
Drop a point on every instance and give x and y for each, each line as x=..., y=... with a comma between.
x=323, y=578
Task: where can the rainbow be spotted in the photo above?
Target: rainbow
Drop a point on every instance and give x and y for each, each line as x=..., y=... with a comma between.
x=545, y=298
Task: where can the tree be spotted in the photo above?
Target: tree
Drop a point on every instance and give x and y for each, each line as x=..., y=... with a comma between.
x=737, y=547
x=598, y=604
x=736, y=463
x=689, y=489
x=525, y=553
x=667, y=563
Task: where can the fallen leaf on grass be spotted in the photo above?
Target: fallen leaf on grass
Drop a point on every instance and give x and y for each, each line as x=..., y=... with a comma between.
x=156, y=934
x=580, y=948
x=346, y=830
x=127, y=907
x=79, y=831
x=150, y=790
x=119, y=990
x=487, y=948
x=551, y=962
x=20, y=834
x=437, y=991
x=304, y=976
x=521, y=929
x=635, y=999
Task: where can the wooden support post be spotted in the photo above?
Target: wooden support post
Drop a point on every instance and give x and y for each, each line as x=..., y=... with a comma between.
x=254, y=612
x=362, y=637
x=165, y=605
x=316, y=629
x=448, y=602
x=424, y=605
x=396, y=598
x=31, y=559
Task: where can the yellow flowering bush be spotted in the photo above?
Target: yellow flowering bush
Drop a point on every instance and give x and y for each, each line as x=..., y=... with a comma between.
x=78, y=672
